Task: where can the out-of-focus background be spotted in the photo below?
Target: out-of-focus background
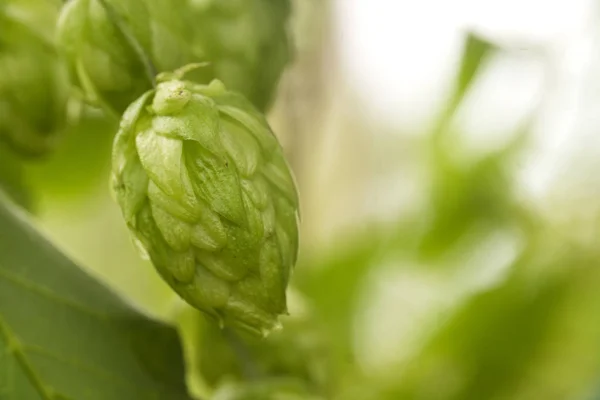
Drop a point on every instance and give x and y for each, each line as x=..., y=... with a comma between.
x=447, y=158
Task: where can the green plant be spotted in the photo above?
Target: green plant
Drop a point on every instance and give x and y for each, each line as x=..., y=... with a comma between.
x=221, y=228
x=115, y=48
x=473, y=294
x=34, y=86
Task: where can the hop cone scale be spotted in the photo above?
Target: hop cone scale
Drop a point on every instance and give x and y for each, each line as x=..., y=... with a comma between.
x=206, y=192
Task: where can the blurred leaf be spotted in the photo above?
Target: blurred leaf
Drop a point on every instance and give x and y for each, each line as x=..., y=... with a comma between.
x=595, y=394
x=64, y=335
x=475, y=53
x=12, y=179
x=332, y=284
x=502, y=340
x=465, y=194
x=297, y=351
x=464, y=197
x=34, y=87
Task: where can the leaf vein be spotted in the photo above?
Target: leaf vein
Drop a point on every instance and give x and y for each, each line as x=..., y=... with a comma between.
x=98, y=372
x=19, y=355
x=45, y=292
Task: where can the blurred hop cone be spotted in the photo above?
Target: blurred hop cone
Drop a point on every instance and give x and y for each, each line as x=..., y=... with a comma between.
x=116, y=47
x=207, y=194
x=34, y=87
x=246, y=42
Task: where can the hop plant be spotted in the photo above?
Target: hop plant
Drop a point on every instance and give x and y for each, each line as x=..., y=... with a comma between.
x=246, y=42
x=206, y=192
x=115, y=48
x=299, y=351
x=34, y=87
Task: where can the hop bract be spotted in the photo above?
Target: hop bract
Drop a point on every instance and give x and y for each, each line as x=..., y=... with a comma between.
x=206, y=192
x=115, y=47
x=34, y=88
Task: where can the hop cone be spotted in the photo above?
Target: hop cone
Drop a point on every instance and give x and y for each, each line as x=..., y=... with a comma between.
x=205, y=190
x=109, y=42
x=115, y=47
x=33, y=82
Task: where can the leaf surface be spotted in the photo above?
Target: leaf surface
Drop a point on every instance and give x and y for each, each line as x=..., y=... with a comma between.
x=64, y=335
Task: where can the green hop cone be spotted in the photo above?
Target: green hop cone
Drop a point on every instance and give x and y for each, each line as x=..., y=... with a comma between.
x=115, y=47
x=34, y=87
x=207, y=194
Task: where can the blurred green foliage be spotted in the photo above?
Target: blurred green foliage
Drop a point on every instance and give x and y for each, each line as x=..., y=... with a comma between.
x=80, y=164
x=497, y=343
x=249, y=39
x=295, y=353
x=12, y=178
x=34, y=89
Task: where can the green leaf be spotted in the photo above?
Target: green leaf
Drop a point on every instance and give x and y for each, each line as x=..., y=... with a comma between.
x=465, y=197
x=476, y=52
x=63, y=335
